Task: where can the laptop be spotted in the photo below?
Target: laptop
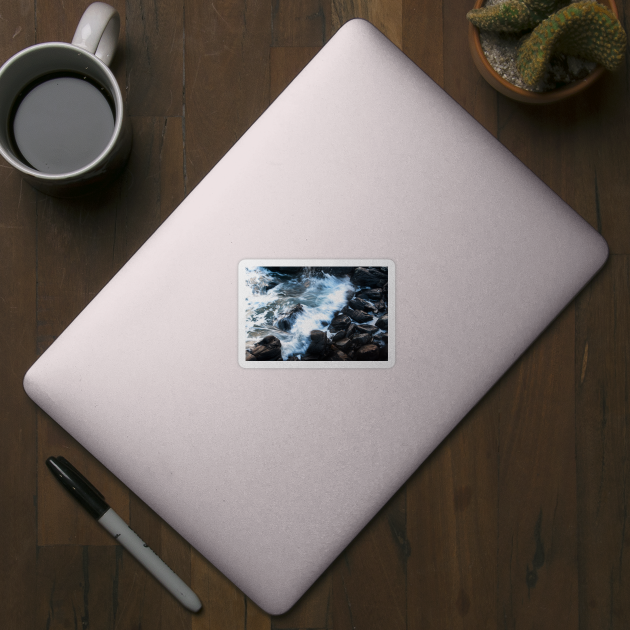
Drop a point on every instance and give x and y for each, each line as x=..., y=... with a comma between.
x=211, y=373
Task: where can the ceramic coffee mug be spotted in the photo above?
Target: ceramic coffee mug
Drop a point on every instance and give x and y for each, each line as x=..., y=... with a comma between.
x=62, y=115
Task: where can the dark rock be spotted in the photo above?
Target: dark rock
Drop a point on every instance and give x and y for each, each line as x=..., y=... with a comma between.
x=345, y=345
x=383, y=353
x=370, y=352
x=351, y=330
x=338, y=355
x=382, y=338
x=341, y=322
x=362, y=305
x=371, y=294
x=366, y=328
x=286, y=321
x=382, y=322
x=340, y=335
x=361, y=340
x=320, y=344
x=267, y=349
x=293, y=358
x=386, y=288
x=381, y=306
x=359, y=316
x=370, y=277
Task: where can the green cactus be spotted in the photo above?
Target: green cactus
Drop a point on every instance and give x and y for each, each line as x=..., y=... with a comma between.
x=513, y=16
x=584, y=29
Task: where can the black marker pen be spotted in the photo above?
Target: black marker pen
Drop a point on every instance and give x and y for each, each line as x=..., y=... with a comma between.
x=94, y=502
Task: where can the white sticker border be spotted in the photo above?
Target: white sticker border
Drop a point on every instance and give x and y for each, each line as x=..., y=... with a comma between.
x=318, y=262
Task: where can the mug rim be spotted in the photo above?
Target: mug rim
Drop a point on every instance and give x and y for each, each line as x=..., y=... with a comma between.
x=118, y=122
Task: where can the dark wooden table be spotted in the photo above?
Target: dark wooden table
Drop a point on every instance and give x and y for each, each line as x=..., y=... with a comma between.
x=518, y=520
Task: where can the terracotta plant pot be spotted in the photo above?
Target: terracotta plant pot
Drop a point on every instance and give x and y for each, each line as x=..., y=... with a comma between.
x=519, y=94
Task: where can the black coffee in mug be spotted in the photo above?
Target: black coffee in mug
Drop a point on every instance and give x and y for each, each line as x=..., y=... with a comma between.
x=61, y=122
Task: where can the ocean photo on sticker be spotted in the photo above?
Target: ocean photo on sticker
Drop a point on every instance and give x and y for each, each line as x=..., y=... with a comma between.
x=316, y=313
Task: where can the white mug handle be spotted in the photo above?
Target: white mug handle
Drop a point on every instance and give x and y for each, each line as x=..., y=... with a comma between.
x=98, y=31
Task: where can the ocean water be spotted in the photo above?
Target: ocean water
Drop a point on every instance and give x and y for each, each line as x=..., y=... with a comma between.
x=321, y=295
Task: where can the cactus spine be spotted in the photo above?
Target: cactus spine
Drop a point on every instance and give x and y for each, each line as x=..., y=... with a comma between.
x=583, y=29
x=513, y=16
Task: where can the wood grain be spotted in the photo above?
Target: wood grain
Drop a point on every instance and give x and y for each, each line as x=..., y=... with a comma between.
x=313, y=610
x=422, y=36
x=572, y=147
x=285, y=64
x=77, y=587
x=386, y=15
x=226, y=78
x=143, y=600
x=461, y=79
x=452, y=515
x=602, y=380
x=369, y=577
x=224, y=606
x=537, y=510
x=300, y=22
x=154, y=57
x=61, y=521
x=18, y=416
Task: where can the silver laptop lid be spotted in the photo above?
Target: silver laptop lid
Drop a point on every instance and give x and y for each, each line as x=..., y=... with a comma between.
x=270, y=473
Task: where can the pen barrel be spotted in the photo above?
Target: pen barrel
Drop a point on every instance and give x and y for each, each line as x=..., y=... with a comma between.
x=149, y=559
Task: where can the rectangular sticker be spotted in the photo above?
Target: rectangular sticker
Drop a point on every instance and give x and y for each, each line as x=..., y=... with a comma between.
x=316, y=313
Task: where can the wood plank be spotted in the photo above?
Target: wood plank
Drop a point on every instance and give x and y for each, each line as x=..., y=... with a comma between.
x=558, y=147
x=461, y=78
x=603, y=442
x=18, y=416
x=452, y=526
x=152, y=185
x=313, y=610
x=300, y=22
x=154, y=57
x=224, y=606
x=142, y=600
x=17, y=28
x=255, y=618
x=608, y=127
x=61, y=520
x=574, y=149
x=537, y=537
x=76, y=587
x=369, y=577
x=226, y=78
x=423, y=36
x=386, y=15
x=18, y=422
x=285, y=64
